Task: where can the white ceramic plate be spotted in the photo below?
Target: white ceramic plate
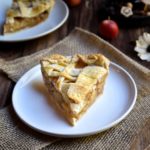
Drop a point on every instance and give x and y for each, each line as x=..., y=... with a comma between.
x=57, y=17
x=30, y=101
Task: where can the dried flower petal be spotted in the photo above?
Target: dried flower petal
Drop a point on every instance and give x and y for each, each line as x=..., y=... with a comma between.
x=146, y=37
x=145, y=56
x=142, y=45
x=140, y=50
x=126, y=11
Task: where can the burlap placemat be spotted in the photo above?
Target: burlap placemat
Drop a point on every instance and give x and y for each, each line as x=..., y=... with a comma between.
x=15, y=135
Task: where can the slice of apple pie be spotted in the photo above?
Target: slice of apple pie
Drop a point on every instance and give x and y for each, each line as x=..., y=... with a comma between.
x=26, y=13
x=74, y=82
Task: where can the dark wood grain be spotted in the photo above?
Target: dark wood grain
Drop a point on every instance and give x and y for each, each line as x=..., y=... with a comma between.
x=85, y=16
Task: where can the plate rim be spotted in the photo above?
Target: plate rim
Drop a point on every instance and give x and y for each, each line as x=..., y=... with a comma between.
x=43, y=33
x=106, y=127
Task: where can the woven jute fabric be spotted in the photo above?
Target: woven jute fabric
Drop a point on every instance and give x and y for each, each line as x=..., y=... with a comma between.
x=15, y=135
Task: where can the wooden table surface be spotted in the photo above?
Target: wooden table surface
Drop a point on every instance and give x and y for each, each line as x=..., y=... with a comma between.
x=85, y=16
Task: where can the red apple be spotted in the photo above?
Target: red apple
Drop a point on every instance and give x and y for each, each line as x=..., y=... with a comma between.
x=108, y=29
x=73, y=2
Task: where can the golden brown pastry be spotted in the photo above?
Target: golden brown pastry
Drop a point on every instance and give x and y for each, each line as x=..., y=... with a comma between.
x=26, y=13
x=74, y=82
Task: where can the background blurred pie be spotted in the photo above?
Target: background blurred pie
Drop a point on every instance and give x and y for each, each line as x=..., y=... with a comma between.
x=26, y=13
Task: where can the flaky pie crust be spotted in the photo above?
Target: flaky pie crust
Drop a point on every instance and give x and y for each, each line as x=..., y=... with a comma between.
x=26, y=13
x=75, y=81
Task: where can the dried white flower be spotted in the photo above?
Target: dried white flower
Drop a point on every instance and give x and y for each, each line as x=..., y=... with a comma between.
x=126, y=11
x=143, y=46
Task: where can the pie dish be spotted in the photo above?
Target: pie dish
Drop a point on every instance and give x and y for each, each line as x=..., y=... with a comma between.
x=26, y=13
x=74, y=82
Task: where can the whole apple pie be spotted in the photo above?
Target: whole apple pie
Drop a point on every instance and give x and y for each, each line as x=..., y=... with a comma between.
x=74, y=82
